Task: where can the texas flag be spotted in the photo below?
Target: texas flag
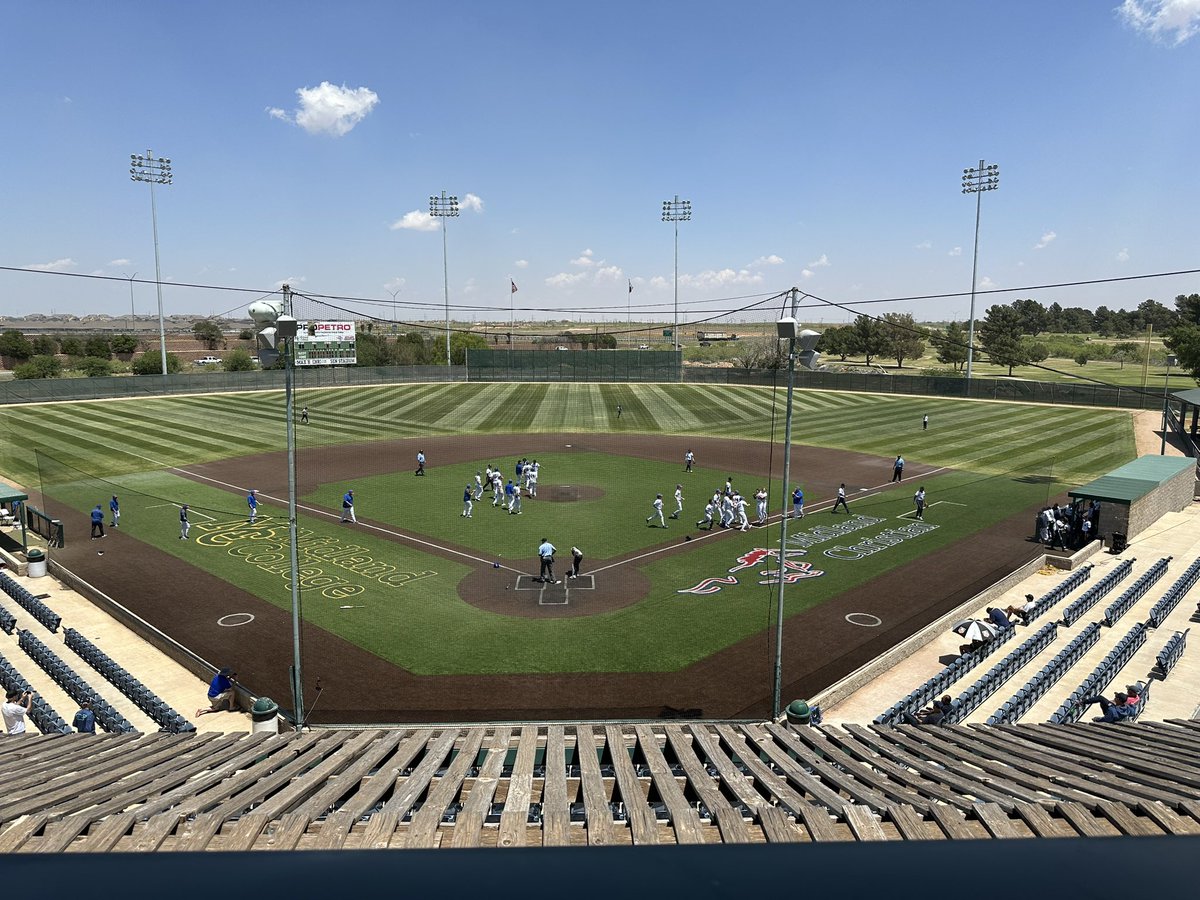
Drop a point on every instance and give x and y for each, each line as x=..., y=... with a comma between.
x=513, y=284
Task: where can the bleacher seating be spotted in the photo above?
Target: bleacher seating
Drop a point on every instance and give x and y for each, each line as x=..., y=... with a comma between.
x=147, y=701
x=1135, y=591
x=1059, y=591
x=1171, y=652
x=1102, y=675
x=1175, y=593
x=973, y=696
x=1075, y=610
x=939, y=683
x=30, y=603
x=7, y=621
x=1039, y=684
x=41, y=713
x=77, y=689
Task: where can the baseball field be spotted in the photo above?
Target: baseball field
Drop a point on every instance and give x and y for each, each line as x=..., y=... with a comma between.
x=418, y=613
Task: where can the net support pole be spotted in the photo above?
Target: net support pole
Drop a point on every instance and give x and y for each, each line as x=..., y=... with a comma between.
x=776, y=700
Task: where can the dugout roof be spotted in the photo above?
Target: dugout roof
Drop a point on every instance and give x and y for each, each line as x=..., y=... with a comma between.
x=9, y=494
x=1133, y=480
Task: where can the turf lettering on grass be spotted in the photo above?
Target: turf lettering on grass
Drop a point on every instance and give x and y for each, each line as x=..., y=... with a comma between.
x=793, y=571
x=882, y=541
x=823, y=533
x=266, y=547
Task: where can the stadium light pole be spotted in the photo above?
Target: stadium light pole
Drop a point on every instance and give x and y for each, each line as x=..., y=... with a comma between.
x=444, y=208
x=279, y=336
x=132, y=314
x=395, y=318
x=1171, y=360
x=154, y=171
x=676, y=211
x=787, y=327
x=985, y=177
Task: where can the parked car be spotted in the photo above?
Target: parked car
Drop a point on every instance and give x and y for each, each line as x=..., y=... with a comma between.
x=208, y=361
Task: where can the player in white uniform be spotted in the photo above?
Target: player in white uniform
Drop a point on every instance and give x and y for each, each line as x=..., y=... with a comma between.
x=678, y=501
x=658, y=513
x=497, y=487
x=708, y=517
x=477, y=493
x=739, y=504
x=727, y=510
x=761, y=497
x=533, y=470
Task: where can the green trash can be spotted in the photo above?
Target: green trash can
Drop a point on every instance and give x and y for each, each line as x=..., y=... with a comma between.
x=37, y=563
x=264, y=716
x=799, y=713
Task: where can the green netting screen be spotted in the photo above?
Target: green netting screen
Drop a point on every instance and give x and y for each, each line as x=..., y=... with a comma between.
x=573, y=365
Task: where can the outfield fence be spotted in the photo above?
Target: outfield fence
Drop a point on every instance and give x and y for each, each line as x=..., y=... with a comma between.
x=652, y=366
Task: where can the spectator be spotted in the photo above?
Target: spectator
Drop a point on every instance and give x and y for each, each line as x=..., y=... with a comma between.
x=997, y=615
x=85, y=720
x=1025, y=610
x=937, y=712
x=14, y=710
x=221, y=692
x=1115, y=710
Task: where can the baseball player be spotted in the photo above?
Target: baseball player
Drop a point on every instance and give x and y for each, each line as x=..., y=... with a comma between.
x=252, y=504
x=739, y=505
x=797, y=503
x=658, y=512
x=678, y=501
x=477, y=493
x=689, y=459
x=708, y=517
x=919, y=502
x=468, y=500
x=760, y=497
x=841, y=500
x=184, y=525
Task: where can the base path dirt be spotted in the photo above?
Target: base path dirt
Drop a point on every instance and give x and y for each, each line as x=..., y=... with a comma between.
x=821, y=645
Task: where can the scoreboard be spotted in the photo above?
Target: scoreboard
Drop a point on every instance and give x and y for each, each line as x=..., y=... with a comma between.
x=326, y=344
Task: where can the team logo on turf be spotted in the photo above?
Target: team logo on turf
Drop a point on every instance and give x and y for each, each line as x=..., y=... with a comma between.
x=793, y=570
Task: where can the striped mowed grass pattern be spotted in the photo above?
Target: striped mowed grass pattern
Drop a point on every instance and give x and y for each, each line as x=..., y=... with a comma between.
x=121, y=436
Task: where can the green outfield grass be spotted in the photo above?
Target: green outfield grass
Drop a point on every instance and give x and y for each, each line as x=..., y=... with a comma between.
x=1007, y=457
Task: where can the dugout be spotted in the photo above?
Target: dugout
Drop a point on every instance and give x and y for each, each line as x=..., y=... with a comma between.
x=1183, y=420
x=1138, y=494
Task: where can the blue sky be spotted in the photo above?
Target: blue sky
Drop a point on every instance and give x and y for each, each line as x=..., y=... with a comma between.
x=821, y=146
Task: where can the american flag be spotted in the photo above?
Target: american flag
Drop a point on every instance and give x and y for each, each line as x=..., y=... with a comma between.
x=513, y=284
x=631, y=285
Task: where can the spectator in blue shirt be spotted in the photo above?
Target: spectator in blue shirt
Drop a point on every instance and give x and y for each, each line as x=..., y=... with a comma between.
x=998, y=617
x=221, y=692
x=1115, y=710
x=85, y=720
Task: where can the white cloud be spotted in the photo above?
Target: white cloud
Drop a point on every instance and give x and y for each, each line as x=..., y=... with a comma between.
x=470, y=287
x=417, y=220
x=609, y=273
x=1171, y=21
x=328, y=108
x=584, y=260
x=771, y=260
x=925, y=245
x=715, y=279
x=820, y=263
x=1046, y=240
x=566, y=279
x=57, y=266
x=986, y=284
x=472, y=202
x=1123, y=255
x=807, y=273
x=957, y=251
x=291, y=279
x=659, y=281
x=119, y=262
x=395, y=284
x=522, y=264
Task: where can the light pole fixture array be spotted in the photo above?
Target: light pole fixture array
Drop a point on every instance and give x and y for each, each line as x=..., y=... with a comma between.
x=154, y=171
x=984, y=177
x=676, y=211
x=443, y=208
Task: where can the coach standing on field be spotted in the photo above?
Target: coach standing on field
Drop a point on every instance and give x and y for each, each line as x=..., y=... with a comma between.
x=546, y=558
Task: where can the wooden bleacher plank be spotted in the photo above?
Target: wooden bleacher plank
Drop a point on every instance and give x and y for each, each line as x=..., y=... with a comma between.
x=843, y=753
x=1162, y=739
x=643, y=824
x=156, y=830
x=1168, y=820
x=684, y=818
x=245, y=833
x=860, y=782
x=17, y=834
x=817, y=820
x=1082, y=820
x=951, y=821
x=423, y=829
x=514, y=819
x=778, y=828
x=1101, y=746
x=1040, y=822
x=289, y=831
x=729, y=821
x=734, y=780
x=45, y=758
x=915, y=782
x=381, y=828
x=1127, y=821
x=928, y=755
x=409, y=790
x=195, y=835
x=105, y=835
x=597, y=812
x=996, y=821
x=863, y=823
x=468, y=828
x=810, y=784
x=346, y=770
x=335, y=829
x=911, y=824
x=61, y=834
x=393, y=760
x=252, y=788
x=556, y=814
x=323, y=761
x=775, y=784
